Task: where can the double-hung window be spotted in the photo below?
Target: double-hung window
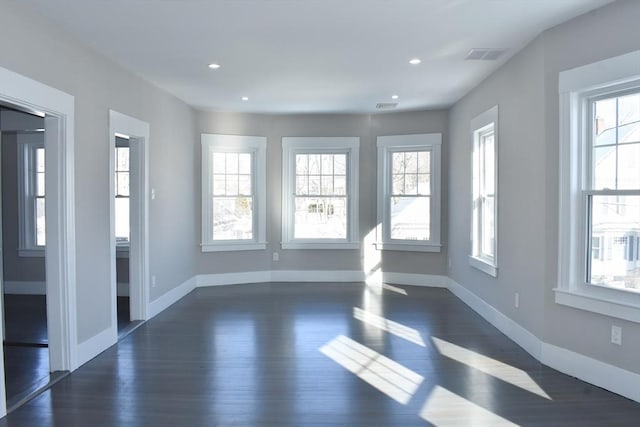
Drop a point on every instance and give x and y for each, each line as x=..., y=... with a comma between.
x=484, y=195
x=122, y=194
x=320, y=193
x=409, y=192
x=600, y=187
x=233, y=192
x=31, y=170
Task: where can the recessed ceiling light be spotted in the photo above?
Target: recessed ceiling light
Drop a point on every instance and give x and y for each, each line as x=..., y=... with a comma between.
x=214, y=66
x=394, y=97
x=245, y=98
x=415, y=61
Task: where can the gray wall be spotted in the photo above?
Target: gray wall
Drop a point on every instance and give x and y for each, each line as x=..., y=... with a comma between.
x=33, y=47
x=526, y=89
x=274, y=127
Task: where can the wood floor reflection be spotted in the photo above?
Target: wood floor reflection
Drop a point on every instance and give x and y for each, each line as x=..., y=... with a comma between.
x=319, y=354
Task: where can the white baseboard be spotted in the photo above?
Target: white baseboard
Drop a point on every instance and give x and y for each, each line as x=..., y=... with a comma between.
x=174, y=295
x=222, y=279
x=25, y=288
x=429, y=280
x=609, y=377
x=317, y=276
x=95, y=345
x=604, y=375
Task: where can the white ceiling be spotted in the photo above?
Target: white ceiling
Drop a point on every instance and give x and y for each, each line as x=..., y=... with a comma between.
x=291, y=56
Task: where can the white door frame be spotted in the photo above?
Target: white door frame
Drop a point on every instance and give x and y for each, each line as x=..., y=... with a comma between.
x=58, y=108
x=138, y=131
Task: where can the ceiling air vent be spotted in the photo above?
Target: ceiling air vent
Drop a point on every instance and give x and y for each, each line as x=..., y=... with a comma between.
x=484, y=54
x=386, y=105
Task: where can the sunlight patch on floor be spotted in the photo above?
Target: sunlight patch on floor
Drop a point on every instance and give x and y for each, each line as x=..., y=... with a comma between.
x=394, y=328
x=489, y=366
x=444, y=408
x=389, y=377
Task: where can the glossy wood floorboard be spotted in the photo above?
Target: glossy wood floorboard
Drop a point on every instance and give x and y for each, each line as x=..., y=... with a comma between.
x=320, y=354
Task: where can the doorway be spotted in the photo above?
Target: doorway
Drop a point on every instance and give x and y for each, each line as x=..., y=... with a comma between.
x=129, y=201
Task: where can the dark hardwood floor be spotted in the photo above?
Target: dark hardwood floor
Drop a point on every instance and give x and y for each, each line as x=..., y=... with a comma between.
x=320, y=354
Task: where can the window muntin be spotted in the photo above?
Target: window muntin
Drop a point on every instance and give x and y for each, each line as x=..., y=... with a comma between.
x=409, y=192
x=320, y=193
x=122, y=192
x=233, y=192
x=612, y=190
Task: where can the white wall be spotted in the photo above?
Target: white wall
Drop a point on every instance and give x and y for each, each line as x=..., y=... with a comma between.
x=526, y=90
x=33, y=47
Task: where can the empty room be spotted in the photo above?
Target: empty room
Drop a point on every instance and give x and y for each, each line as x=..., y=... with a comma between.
x=307, y=213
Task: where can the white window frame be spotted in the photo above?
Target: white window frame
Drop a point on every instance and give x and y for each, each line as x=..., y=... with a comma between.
x=482, y=125
x=319, y=145
x=257, y=146
x=27, y=144
x=576, y=87
x=387, y=145
x=122, y=248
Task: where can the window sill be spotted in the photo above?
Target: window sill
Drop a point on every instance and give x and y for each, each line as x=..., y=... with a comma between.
x=483, y=266
x=609, y=302
x=228, y=247
x=320, y=245
x=31, y=253
x=410, y=247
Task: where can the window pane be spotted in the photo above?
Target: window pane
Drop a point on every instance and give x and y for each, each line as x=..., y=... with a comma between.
x=39, y=159
x=327, y=185
x=489, y=164
x=314, y=185
x=615, y=227
x=302, y=164
x=232, y=163
x=340, y=164
x=40, y=222
x=244, y=185
x=244, y=160
x=122, y=219
x=411, y=162
x=327, y=164
x=410, y=218
x=219, y=163
x=320, y=218
x=604, y=168
x=232, y=218
x=398, y=184
x=629, y=166
x=40, y=184
x=488, y=230
x=314, y=164
x=397, y=163
x=122, y=158
x=629, y=110
x=219, y=185
x=122, y=184
x=231, y=185
x=424, y=184
x=605, y=121
x=302, y=184
x=340, y=185
x=411, y=184
x=424, y=162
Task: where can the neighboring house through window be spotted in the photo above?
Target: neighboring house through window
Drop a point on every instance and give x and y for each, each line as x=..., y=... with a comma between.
x=484, y=206
x=320, y=193
x=600, y=187
x=409, y=192
x=122, y=194
x=233, y=192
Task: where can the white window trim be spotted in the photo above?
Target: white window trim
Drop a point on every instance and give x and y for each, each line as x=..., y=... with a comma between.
x=318, y=145
x=235, y=143
x=479, y=125
x=27, y=143
x=387, y=145
x=575, y=85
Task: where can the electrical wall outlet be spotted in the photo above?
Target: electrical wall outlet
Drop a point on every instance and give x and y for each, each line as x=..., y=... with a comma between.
x=276, y=256
x=616, y=335
x=516, y=300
